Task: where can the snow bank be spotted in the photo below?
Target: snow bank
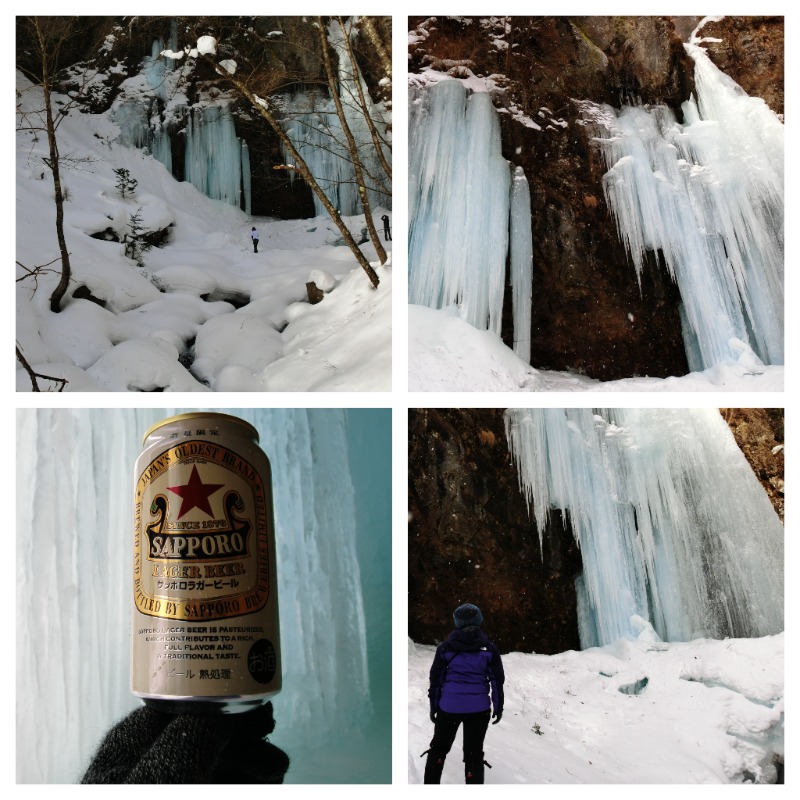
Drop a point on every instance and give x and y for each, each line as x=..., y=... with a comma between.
x=447, y=354
x=342, y=343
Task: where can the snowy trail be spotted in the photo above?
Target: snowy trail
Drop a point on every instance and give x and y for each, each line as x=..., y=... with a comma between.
x=710, y=712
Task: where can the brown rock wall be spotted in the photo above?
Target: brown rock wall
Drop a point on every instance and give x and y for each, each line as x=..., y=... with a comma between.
x=759, y=432
x=470, y=538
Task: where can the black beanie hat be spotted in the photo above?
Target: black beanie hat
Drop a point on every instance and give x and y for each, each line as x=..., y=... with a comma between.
x=466, y=615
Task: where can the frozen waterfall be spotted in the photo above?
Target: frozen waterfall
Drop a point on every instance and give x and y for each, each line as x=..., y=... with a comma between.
x=461, y=203
x=672, y=524
x=707, y=197
x=152, y=111
x=73, y=558
x=312, y=124
x=217, y=161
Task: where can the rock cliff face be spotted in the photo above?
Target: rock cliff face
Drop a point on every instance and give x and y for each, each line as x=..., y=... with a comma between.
x=759, y=434
x=751, y=52
x=589, y=314
x=470, y=538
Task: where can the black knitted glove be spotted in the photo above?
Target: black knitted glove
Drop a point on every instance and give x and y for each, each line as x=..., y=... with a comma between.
x=149, y=746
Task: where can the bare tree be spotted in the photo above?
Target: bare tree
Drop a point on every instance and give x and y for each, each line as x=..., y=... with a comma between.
x=60, y=382
x=352, y=146
x=378, y=141
x=374, y=38
x=48, y=35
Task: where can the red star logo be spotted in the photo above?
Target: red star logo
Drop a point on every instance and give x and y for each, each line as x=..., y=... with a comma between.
x=195, y=494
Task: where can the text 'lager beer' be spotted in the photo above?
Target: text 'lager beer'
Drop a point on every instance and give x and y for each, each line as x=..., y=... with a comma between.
x=205, y=612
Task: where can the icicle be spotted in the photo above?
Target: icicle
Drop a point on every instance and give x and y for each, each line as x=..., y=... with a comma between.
x=521, y=258
x=708, y=195
x=246, y=176
x=459, y=204
x=132, y=119
x=672, y=523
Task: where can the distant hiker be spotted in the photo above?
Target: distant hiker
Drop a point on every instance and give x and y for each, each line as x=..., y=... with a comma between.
x=466, y=668
x=387, y=233
x=254, y=237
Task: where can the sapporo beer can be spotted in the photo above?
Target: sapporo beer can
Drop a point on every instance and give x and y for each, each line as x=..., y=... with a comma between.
x=205, y=603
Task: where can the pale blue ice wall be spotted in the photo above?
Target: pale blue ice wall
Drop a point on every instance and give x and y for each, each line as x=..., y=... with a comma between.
x=708, y=196
x=152, y=109
x=73, y=588
x=369, y=440
x=672, y=523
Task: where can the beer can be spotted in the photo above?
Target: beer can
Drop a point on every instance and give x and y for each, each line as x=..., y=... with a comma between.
x=205, y=632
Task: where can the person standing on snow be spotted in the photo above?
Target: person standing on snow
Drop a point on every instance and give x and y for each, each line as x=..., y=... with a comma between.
x=466, y=668
x=254, y=237
x=387, y=234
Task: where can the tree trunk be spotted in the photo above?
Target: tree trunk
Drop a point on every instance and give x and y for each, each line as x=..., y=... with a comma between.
x=372, y=129
x=66, y=270
x=351, y=143
x=375, y=40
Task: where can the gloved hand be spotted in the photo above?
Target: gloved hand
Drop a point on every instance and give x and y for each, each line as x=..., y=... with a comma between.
x=433, y=717
x=496, y=717
x=149, y=746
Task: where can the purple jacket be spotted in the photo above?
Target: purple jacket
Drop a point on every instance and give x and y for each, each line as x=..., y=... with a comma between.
x=465, y=668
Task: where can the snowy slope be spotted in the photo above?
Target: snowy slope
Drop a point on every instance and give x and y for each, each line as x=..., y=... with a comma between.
x=710, y=712
x=204, y=296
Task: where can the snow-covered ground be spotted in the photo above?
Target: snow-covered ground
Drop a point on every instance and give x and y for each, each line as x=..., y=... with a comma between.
x=447, y=354
x=709, y=712
x=240, y=321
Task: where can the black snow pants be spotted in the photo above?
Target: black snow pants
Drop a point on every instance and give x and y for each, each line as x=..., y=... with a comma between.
x=444, y=735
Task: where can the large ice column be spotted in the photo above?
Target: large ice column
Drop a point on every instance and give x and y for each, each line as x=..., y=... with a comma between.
x=73, y=559
x=214, y=156
x=315, y=130
x=521, y=260
x=672, y=523
x=458, y=204
x=708, y=196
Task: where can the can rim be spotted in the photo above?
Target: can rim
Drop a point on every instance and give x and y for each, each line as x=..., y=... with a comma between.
x=195, y=414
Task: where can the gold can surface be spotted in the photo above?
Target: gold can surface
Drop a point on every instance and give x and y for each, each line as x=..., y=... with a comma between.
x=205, y=625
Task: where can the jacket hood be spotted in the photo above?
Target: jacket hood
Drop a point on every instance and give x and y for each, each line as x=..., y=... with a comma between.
x=467, y=639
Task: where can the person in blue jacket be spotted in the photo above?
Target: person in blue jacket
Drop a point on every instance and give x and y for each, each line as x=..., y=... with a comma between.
x=466, y=669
